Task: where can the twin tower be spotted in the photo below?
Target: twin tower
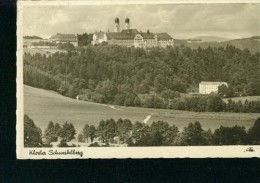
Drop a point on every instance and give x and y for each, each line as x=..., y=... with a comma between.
x=117, y=25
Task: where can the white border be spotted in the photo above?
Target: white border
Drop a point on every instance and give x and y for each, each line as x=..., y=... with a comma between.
x=115, y=152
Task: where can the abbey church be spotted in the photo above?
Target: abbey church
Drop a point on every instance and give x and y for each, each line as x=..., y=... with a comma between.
x=132, y=37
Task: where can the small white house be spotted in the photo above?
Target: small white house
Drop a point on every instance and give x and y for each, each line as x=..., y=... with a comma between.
x=210, y=87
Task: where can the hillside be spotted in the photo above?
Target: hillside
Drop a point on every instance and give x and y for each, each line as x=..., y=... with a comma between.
x=210, y=38
x=246, y=43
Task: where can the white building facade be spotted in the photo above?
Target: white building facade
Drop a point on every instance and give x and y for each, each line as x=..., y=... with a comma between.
x=210, y=87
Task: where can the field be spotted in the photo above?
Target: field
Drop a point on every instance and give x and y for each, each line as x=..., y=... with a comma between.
x=44, y=106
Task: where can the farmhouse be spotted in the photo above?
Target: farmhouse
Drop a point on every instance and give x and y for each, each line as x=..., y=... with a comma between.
x=210, y=87
x=132, y=37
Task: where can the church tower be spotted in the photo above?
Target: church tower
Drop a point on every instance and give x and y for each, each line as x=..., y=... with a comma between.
x=127, y=23
x=117, y=26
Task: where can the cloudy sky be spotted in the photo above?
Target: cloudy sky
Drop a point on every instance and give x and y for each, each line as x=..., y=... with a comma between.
x=180, y=21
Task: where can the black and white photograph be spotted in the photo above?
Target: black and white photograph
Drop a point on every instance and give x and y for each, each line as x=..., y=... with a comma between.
x=120, y=79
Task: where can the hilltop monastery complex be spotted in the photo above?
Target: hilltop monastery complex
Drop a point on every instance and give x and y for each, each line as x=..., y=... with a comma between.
x=132, y=37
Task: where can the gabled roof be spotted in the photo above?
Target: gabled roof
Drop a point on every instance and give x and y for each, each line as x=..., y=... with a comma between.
x=120, y=36
x=130, y=31
x=147, y=35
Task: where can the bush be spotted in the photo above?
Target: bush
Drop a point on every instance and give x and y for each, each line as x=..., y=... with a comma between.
x=63, y=143
x=94, y=145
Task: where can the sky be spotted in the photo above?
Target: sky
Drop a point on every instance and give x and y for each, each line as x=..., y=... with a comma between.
x=180, y=21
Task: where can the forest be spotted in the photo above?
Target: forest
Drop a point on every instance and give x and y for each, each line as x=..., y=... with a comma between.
x=155, y=77
x=123, y=131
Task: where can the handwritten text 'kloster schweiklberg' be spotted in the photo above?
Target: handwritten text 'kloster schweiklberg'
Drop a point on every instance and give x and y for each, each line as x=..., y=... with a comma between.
x=56, y=152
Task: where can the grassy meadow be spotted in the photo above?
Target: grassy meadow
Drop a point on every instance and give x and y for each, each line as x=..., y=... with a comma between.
x=44, y=106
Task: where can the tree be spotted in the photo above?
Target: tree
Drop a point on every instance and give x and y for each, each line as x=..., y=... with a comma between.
x=67, y=132
x=252, y=88
x=119, y=99
x=180, y=140
x=170, y=135
x=81, y=138
x=153, y=139
x=92, y=132
x=153, y=102
x=139, y=130
x=101, y=131
x=107, y=88
x=169, y=94
x=32, y=134
x=66, y=46
x=107, y=130
x=111, y=129
x=57, y=129
x=124, y=128
x=137, y=101
x=225, y=91
x=230, y=136
x=159, y=83
x=167, y=132
x=50, y=132
x=214, y=103
x=194, y=135
x=85, y=132
x=254, y=133
x=130, y=99
x=85, y=39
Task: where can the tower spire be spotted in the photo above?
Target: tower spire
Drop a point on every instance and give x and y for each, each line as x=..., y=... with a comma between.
x=117, y=26
x=127, y=23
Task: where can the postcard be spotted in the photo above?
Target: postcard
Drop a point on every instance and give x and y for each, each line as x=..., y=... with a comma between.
x=139, y=79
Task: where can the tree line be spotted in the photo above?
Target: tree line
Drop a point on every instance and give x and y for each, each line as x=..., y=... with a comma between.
x=123, y=131
x=33, y=136
x=137, y=77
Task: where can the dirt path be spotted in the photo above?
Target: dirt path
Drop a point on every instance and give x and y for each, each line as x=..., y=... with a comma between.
x=147, y=118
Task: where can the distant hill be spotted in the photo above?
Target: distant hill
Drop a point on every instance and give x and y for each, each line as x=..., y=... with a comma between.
x=210, y=38
x=32, y=37
x=252, y=44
